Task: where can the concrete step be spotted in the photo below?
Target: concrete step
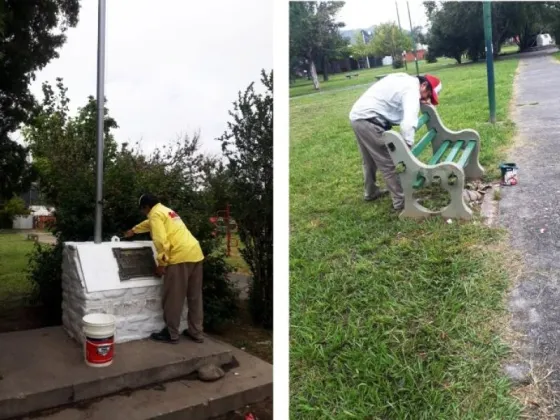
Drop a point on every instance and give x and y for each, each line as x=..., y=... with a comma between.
x=248, y=383
x=44, y=368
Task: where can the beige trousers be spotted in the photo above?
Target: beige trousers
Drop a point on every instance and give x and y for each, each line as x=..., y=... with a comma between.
x=180, y=281
x=376, y=156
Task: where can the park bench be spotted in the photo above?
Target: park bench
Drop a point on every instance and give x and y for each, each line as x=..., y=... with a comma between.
x=461, y=150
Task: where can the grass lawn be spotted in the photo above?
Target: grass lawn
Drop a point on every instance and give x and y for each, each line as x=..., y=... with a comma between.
x=557, y=55
x=366, y=76
x=14, y=250
x=509, y=49
x=393, y=319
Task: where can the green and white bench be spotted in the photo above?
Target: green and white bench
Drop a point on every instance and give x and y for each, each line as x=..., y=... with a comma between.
x=454, y=160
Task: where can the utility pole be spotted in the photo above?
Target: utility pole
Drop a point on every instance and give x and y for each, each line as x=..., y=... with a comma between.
x=400, y=28
x=97, y=237
x=365, y=43
x=487, y=16
x=413, y=40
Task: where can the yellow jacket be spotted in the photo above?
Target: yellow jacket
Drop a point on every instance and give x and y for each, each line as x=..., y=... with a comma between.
x=174, y=243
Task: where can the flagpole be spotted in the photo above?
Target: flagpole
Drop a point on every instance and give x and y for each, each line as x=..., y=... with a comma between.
x=97, y=238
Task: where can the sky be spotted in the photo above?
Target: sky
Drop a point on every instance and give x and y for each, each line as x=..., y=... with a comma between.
x=170, y=70
x=360, y=14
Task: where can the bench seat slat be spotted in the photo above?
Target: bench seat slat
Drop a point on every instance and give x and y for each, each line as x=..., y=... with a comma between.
x=467, y=153
x=454, y=151
x=424, y=141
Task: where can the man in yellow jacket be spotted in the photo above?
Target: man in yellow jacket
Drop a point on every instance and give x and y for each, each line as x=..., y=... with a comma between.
x=179, y=261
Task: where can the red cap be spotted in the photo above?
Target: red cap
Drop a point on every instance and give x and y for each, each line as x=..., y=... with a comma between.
x=435, y=83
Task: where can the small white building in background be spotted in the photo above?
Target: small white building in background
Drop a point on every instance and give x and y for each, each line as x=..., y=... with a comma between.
x=387, y=60
x=543, y=40
x=26, y=222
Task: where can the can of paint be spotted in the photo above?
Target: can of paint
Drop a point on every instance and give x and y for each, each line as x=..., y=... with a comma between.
x=510, y=175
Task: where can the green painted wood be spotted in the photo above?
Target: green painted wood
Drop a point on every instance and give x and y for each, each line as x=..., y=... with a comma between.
x=440, y=152
x=424, y=118
x=454, y=151
x=424, y=141
x=471, y=145
x=419, y=183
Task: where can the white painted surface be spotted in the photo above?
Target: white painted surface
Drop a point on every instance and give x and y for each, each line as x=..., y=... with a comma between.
x=23, y=222
x=544, y=40
x=99, y=267
x=41, y=210
x=387, y=61
x=91, y=284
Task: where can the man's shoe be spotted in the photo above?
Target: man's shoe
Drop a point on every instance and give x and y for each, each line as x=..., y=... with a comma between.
x=164, y=337
x=195, y=338
x=379, y=193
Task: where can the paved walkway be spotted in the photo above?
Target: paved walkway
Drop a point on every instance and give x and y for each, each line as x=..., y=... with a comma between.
x=531, y=211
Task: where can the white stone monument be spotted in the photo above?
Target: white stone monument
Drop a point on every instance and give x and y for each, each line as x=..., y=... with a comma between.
x=91, y=284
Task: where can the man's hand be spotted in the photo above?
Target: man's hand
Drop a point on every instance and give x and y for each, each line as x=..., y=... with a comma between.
x=160, y=271
x=129, y=233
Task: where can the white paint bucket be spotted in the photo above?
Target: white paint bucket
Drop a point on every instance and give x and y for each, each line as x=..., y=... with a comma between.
x=99, y=340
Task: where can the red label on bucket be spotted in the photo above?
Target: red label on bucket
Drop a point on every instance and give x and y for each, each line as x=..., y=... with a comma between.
x=99, y=350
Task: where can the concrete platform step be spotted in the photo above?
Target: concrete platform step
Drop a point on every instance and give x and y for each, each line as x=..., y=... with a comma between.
x=44, y=368
x=248, y=383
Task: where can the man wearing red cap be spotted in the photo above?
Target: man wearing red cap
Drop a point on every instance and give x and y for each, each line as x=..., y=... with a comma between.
x=394, y=100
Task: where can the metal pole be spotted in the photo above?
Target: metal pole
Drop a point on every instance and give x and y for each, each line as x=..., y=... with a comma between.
x=400, y=28
x=413, y=40
x=100, y=120
x=487, y=16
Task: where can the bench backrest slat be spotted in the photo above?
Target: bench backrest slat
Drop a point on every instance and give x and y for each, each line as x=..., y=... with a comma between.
x=439, y=153
x=424, y=141
x=454, y=151
x=471, y=145
x=424, y=118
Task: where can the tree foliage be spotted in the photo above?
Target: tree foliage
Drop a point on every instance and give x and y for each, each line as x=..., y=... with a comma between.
x=31, y=32
x=16, y=172
x=247, y=144
x=314, y=32
x=64, y=148
x=360, y=48
x=457, y=28
x=389, y=40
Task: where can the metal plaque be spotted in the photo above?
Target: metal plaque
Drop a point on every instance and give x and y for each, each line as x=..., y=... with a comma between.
x=135, y=262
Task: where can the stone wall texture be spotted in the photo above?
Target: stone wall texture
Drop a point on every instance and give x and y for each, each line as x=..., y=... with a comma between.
x=137, y=310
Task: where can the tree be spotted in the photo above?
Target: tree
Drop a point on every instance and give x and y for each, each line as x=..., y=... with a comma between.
x=12, y=208
x=360, y=49
x=390, y=40
x=64, y=147
x=31, y=32
x=314, y=32
x=457, y=27
x=419, y=35
x=247, y=144
x=16, y=172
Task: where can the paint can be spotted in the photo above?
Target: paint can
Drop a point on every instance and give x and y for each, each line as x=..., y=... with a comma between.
x=510, y=174
x=99, y=332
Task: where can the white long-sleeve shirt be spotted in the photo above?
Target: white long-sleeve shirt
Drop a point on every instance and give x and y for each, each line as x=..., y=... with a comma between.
x=395, y=98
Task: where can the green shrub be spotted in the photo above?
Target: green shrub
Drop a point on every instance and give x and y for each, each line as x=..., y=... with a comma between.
x=8, y=212
x=430, y=57
x=398, y=62
x=45, y=273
